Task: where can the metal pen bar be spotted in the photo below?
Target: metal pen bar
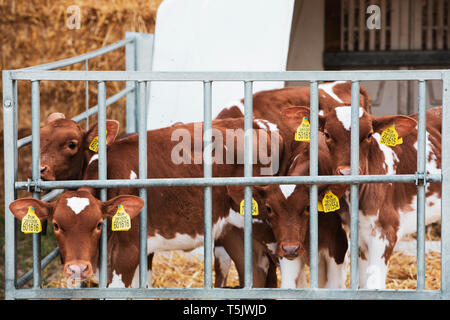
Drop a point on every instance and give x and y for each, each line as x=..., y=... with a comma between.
x=445, y=200
x=10, y=176
x=354, y=75
x=218, y=181
x=102, y=174
x=80, y=58
x=207, y=173
x=142, y=128
x=130, y=65
x=84, y=115
x=86, y=94
x=248, y=168
x=36, y=174
x=421, y=186
x=314, y=171
x=354, y=188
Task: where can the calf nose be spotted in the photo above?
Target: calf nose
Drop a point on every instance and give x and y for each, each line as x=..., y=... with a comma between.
x=80, y=270
x=290, y=251
x=343, y=171
x=43, y=169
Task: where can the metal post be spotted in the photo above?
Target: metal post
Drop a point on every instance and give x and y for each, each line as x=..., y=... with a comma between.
x=421, y=169
x=86, y=93
x=36, y=174
x=207, y=173
x=354, y=188
x=248, y=172
x=313, y=171
x=130, y=65
x=102, y=174
x=445, y=204
x=142, y=128
x=10, y=175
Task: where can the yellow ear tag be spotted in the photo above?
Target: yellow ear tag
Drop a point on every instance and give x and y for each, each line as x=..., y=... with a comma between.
x=94, y=144
x=390, y=138
x=319, y=206
x=302, y=133
x=121, y=220
x=330, y=202
x=31, y=223
x=255, y=210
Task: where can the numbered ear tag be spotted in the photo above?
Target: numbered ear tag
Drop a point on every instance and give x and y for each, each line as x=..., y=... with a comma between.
x=302, y=133
x=94, y=144
x=255, y=210
x=389, y=137
x=319, y=206
x=121, y=220
x=31, y=223
x=330, y=202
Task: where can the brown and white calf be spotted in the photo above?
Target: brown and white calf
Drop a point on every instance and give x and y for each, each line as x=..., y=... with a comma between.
x=77, y=220
x=387, y=211
x=175, y=213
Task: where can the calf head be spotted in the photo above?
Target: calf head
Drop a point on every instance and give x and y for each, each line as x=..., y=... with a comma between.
x=278, y=206
x=77, y=220
x=65, y=147
x=335, y=125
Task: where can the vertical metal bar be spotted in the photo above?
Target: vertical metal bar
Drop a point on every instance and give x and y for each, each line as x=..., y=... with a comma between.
x=142, y=128
x=102, y=174
x=248, y=172
x=342, y=21
x=445, y=204
x=10, y=176
x=421, y=169
x=354, y=188
x=429, y=37
x=86, y=93
x=440, y=25
x=130, y=65
x=313, y=171
x=36, y=174
x=207, y=173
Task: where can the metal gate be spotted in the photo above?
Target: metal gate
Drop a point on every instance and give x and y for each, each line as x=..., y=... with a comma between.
x=137, y=82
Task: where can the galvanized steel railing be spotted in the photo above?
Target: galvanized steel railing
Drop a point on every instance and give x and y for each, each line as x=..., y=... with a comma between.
x=142, y=79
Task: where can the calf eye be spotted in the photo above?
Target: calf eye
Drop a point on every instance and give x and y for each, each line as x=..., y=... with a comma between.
x=55, y=226
x=72, y=145
x=327, y=135
x=99, y=225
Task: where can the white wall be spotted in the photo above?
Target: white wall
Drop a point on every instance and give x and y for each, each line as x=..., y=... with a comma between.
x=215, y=35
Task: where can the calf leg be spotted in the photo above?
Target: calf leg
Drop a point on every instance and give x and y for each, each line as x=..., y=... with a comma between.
x=222, y=263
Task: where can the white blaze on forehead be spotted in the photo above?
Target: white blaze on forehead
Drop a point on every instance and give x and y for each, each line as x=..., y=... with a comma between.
x=133, y=175
x=77, y=204
x=328, y=88
x=344, y=115
x=287, y=189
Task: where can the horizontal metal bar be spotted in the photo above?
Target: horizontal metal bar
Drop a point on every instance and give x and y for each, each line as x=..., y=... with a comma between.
x=218, y=293
x=80, y=58
x=44, y=262
x=167, y=182
x=52, y=194
x=357, y=75
x=26, y=140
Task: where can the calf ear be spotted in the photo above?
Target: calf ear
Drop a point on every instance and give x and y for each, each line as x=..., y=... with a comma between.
x=42, y=209
x=112, y=129
x=132, y=205
x=293, y=116
x=236, y=193
x=403, y=124
x=54, y=116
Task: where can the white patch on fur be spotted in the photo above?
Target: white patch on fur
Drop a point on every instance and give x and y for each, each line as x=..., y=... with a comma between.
x=390, y=157
x=224, y=261
x=133, y=175
x=328, y=88
x=77, y=204
x=336, y=274
x=287, y=189
x=93, y=158
x=264, y=124
x=344, y=115
x=135, y=281
x=292, y=273
x=116, y=281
